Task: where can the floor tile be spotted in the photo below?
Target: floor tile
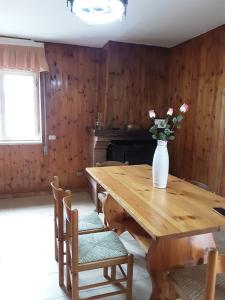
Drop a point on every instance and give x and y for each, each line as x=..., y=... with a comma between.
x=28, y=270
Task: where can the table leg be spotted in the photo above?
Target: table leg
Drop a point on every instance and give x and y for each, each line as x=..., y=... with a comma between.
x=162, y=254
x=165, y=254
x=114, y=215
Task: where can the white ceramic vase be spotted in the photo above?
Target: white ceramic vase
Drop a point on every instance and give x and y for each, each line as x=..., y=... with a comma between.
x=160, y=165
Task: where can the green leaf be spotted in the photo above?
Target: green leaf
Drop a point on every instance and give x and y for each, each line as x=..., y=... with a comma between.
x=154, y=137
x=172, y=137
x=174, y=120
x=153, y=129
x=162, y=136
x=162, y=124
x=179, y=126
x=167, y=131
x=179, y=118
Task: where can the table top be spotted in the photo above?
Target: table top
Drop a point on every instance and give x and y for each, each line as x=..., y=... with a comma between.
x=182, y=209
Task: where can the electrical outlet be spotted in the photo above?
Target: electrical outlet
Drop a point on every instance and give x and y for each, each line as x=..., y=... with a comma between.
x=79, y=173
x=52, y=137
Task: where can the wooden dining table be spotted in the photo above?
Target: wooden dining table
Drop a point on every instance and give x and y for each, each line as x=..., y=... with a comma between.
x=179, y=220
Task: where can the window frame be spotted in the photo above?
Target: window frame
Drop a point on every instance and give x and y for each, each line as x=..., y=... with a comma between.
x=38, y=108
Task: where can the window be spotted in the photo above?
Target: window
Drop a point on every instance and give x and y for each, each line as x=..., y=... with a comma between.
x=19, y=108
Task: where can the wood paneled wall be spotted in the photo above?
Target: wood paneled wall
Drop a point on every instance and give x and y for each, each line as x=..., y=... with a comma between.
x=196, y=75
x=71, y=96
x=123, y=81
x=135, y=80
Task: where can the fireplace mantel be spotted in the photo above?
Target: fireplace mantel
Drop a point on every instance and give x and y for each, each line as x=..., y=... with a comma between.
x=99, y=141
x=120, y=134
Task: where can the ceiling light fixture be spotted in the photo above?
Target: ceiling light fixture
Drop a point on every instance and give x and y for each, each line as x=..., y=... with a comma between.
x=99, y=11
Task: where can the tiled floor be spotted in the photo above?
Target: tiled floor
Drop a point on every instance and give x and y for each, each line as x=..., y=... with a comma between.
x=28, y=270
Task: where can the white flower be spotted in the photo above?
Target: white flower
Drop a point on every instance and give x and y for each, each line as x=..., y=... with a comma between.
x=170, y=111
x=184, y=108
x=151, y=113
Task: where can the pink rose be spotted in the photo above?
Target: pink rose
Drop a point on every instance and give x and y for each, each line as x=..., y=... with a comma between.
x=151, y=113
x=184, y=108
x=170, y=111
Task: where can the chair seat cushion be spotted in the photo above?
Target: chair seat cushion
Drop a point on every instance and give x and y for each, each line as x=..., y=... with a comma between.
x=95, y=247
x=191, y=282
x=89, y=221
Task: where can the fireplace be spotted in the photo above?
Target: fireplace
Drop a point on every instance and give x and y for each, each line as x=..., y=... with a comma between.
x=132, y=151
x=133, y=146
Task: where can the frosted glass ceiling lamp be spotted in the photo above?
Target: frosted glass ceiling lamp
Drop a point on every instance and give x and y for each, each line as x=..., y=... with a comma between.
x=99, y=11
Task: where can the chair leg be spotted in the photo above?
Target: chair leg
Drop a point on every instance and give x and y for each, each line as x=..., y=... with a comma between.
x=129, y=277
x=56, y=249
x=113, y=272
x=68, y=282
x=56, y=241
x=106, y=273
x=75, y=290
x=168, y=291
x=56, y=232
x=61, y=262
x=68, y=264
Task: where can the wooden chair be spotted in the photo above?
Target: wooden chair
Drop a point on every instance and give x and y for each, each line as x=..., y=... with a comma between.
x=94, y=251
x=202, y=282
x=89, y=222
x=221, y=246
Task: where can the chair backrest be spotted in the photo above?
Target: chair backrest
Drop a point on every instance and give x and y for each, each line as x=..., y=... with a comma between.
x=110, y=163
x=57, y=195
x=71, y=232
x=216, y=264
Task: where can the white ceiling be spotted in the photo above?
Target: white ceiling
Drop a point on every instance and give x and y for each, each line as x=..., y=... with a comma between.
x=152, y=22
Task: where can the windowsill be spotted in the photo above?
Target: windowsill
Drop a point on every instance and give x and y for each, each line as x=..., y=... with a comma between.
x=18, y=143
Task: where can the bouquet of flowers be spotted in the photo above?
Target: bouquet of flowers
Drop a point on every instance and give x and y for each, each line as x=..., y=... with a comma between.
x=163, y=129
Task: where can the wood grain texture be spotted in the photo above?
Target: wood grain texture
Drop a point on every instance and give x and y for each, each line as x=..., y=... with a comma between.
x=81, y=82
x=196, y=75
x=123, y=81
x=178, y=211
x=180, y=252
x=171, y=216
x=135, y=81
x=71, y=92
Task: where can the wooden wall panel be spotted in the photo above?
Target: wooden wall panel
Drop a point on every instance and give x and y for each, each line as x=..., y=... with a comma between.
x=123, y=81
x=103, y=83
x=71, y=96
x=196, y=75
x=136, y=81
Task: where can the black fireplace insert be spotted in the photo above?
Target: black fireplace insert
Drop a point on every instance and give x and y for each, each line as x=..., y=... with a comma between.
x=132, y=151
